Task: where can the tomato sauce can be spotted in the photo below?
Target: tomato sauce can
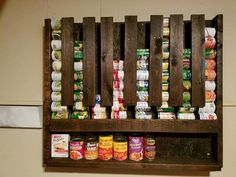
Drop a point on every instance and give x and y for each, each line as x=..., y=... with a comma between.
x=77, y=148
x=91, y=148
x=105, y=150
x=136, y=148
x=120, y=148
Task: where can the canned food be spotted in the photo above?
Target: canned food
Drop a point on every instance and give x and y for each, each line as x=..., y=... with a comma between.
x=210, y=31
x=166, y=31
x=165, y=65
x=59, y=115
x=78, y=66
x=142, y=106
x=142, y=95
x=186, y=63
x=118, y=75
x=57, y=107
x=136, y=148
x=143, y=115
x=120, y=148
x=142, y=75
x=56, y=24
x=78, y=86
x=165, y=55
x=210, y=85
x=118, y=95
x=118, y=85
x=187, y=53
x=142, y=85
x=78, y=55
x=187, y=116
x=210, y=96
x=56, y=34
x=56, y=55
x=118, y=105
x=118, y=64
x=165, y=75
x=98, y=99
x=210, y=75
x=56, y=86
x=56, y=44
x=207, y=116
x=165, y=109
x=186, y=109
x=91, y=148
x=210, y=54
x=186, y=96
x=165, y=96
x=78, y=96
x=77, y=148
x=56, y=76
x=78, y=76
x=186, y=85
x=149, y=147
x=186, y=74
x=78, y=46
x=105, y=150
x=80, y=115
x=99, y=115
x=210, y=64
x=118, y=114
x=142, y=53
x=142, y=65
x=166, y=115
x=79, y=106
x=56, y=96
x=208, y=108
x=165, y=21
x=165, y=86
x=98, y=109
x=56, y=66
x=210, y=42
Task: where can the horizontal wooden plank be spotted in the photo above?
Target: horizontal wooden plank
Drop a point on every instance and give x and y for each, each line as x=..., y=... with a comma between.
x=160, y=163
x=132, y=125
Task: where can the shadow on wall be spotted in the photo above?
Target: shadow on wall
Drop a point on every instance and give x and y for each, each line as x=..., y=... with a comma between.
x=2, y=3
x=118, y=171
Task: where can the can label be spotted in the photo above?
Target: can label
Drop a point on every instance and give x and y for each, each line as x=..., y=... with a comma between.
x=120, y=150
x=77, y=150
x=210, y=75
x=56, y=86
x=188, y=116
x=142, y=75
x=78, y=66
x=105, y=147
x=56, y=96
x=136, y=148
x=208, y=108
x=56, y=76
x=149, y=148
x=56, y=55
x=210, y=96
x=118, y=75
x=210, y=42
x=91, y=151
x=56, y=65
x=78, y=86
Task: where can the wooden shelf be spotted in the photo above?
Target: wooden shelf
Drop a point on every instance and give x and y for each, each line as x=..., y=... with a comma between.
x=159, y=163
x=134, y=125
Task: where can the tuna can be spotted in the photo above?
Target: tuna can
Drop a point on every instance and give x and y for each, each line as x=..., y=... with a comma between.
x=105, y=147
x=78, y=66
x=56, y=55
x=210, y=85
x=77, y=148
x=207, y=116
x=56, y=44
x=149, y=147
x=187, y=116
x=57, y=107
x=208, y=108
x=56, y=66
x=135, y=148
x=56, y=96
x=56, y=76
x=56, y=86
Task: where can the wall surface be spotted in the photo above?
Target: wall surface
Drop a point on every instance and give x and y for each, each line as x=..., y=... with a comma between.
x=21, y=68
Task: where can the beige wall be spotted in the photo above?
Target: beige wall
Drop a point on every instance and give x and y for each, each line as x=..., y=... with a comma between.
x=21, y=25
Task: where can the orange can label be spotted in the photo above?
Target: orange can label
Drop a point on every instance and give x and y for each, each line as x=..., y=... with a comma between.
x=120, y=150
x=105, y=147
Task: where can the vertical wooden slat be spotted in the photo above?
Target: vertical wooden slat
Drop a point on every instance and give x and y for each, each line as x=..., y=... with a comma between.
x=130, y=60
x=217, y=23
x=47, y=69
x=106, y=60
x=176, y=61
x=89, y=62
x=155, y=67
x=117, y=40
x=141, y=38
x=78, y=31
x=67, y=59
x=198, y=60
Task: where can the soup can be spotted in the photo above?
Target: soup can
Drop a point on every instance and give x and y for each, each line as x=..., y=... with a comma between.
x=187, y=53
x=57, y=107
x=118, y=64
x=142, y=65
x=210, y=54
x=56, y=44
x=79, y=106
x=166, y=31
x=210, y=75
x=186, y=96
x=118, y=75
x=165, y=65
x=166, y=115
x=186, y=74
x=186, y=85
x=149, y=147
x=118, y=95
x=56, y=66
x=78, y=45
x=208, y=108
x=105, y=147
x=142, y=85
x=78, y=66
x=165, y=55
x=91, y=148
x=210, y=85
x=56, y=34
x=210, y=42
x=78, y=86
x=56, y=86
x=143, y=114
x=118, y=85
x=78, y=96
x=135, y=148
x=186, y=63
x=56, y=55
x=78, y=76
x=142, y=75
x=187, y=109
x=77, y=148
x=165, y=86
x=165, y=96
x=210, y=96
x=210, y=64
x=118, y=114
x=56, y=96
x=210, y=31
x=120, y=148
x=56, y=76
x=78, y=55
x=118, y=105
x=165, y=75
x=142, y=106
x=165, y=21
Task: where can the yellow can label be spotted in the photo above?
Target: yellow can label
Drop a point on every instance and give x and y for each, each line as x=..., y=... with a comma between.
x=120, y=146
x=105, y=141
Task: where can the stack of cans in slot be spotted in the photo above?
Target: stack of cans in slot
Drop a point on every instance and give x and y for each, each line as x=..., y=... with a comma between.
x=79, y=111
x=99, y=112
x=208, y=112
x=142, y=109
x=165, y=111
x=186, y=111
x=58, y=111
x=118, y=110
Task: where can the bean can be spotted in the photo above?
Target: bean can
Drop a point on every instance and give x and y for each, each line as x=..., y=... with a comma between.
x=105, y=147
x=136, y=148
x=120, y=148
x=210, y=96
x=77, y=148
x=149, y=147
x=56, y=55
x=91, y=148
x=210, y=75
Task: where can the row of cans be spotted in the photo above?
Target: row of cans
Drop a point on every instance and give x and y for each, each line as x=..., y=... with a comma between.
x=56, y=66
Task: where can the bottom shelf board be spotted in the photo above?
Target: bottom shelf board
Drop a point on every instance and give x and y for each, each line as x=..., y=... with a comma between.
x=160, y=163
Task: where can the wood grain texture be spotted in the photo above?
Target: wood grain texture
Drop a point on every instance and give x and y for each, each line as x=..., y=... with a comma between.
x=217, y=23
x=155, y=67
x=67, y=60
x=176, y=61
x=129, y=125
x=130, y=63
x=89, y=62
x=141, y=38
x=198, y=60
x=78, y=31
x=47, y=69
x=106, y=60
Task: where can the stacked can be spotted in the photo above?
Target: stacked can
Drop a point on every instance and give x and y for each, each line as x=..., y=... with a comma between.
x=58, y=111
x=99, y=112
x=79, y=111
x=165, y=112
x=142, y=109
x=186, y=111
x=208, y=112
x=118, y=110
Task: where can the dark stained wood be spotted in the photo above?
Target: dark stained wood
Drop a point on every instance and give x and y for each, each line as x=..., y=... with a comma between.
x=47, y=69
x=78, y=31
x=106, y=60
x=130, y=63
x=217, y=22
x=89, y=62
x=129, y=125
x=141, y=39
x=158, y=164
x=67, y=59
x=198, y=60
x=117, y=40
x=155, y=67
x=176, y=61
